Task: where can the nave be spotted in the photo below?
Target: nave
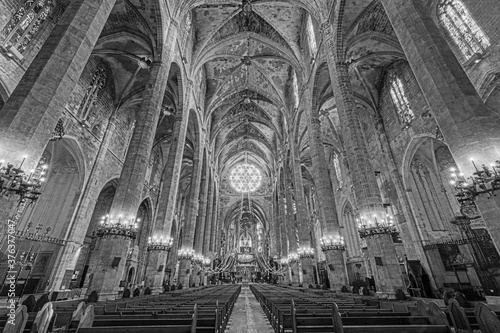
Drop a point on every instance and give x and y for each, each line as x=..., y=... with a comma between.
x=253, y=308
x=345, y=146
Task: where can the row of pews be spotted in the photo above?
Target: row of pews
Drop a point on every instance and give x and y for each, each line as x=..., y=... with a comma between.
x=203, y=310
x=298, y=312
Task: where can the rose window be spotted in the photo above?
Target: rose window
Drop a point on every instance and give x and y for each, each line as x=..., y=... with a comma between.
x=245, y=178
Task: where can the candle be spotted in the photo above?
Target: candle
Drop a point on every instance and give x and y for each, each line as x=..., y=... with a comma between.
x=494, y=170
x=474, y=164
x=22, y=162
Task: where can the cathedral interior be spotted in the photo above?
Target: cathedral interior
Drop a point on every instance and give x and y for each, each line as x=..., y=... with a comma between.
x=330, y=144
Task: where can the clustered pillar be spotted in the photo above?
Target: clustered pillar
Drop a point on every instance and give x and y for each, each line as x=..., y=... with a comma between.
x=110, y=267
x=371, y=213
x=328, y=212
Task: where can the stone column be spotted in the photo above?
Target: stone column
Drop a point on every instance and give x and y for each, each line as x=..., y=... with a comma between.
x=167, y=204
x=274, y=228
x=327, y=208
x=291, y=225
x=302, y=218
x=387, y=273
x=209, y=219
x=32, y=111
x=127, y=199
x=185, y=267
x=470, y=128
x=199, y=235
x=283, y=232
x=214, y=239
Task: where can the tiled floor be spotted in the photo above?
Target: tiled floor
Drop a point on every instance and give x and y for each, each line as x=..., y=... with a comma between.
x=248, y=316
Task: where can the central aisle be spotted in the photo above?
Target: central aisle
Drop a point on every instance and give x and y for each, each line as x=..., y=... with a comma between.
x=247, y=315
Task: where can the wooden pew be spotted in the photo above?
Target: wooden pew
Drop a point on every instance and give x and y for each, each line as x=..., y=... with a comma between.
x=340, y=327
x=489, y=321
x=209, y=316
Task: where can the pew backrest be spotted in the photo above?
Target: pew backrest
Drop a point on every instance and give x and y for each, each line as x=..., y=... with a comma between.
x=437, y=315
x=79, y=312
x=18, y=322
x=87, y=319
x=422, y=309
x=338, y=327
x=30, y=303
x=43, y=319
x=488, y=320
x=194, y=319
x=294, y=317
x=458, y=317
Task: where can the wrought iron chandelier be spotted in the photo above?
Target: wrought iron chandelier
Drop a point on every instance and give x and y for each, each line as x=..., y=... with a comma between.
x=331, y=243
x=126, y=228
x=14, y=180
x=305, y=252
x=377, y=226
x=185, y=254
x=484, y=181
x=160, y=244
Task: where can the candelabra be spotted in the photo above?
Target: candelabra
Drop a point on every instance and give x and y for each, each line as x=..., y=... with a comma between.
x=198, y=259
x=331, y=243
x=26, y=259
x=293, y=258
x=484, y=181
x=305, y=252
x=206, y=262
x=378, y=226
x=155, y=244
x=185, y=254
x=126, y=228
x=13, y=180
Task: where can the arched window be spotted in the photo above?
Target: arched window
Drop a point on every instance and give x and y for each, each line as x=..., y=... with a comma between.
x=96, y=85
x=295, y=89
x=338, y=170
x=462, y=27
x=25, y=23
x=311, y=36
x=399, y=98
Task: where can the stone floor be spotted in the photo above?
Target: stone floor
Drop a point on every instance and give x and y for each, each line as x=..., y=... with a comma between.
x=248, y=316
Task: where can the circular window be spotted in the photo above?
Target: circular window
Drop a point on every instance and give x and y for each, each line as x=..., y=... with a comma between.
x=245, y=178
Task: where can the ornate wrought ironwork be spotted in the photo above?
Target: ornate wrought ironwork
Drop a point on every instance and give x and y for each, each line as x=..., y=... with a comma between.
x=155, y=244
x=185, y=254
x=332, y=243
x=13, y=180
x=126, y=228
x=305, y=252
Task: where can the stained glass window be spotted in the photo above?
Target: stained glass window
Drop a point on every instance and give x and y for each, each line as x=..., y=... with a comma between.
x=295, y=89
x=399, y=98
x=462, y=27
x=311, y=36
x=25, y=23
x=338, y=170
x=245, y=178
x=96, y=85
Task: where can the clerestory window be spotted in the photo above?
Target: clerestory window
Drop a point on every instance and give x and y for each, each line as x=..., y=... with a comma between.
x=313, y=47
x=338, y=170
x=97, y=83
x=399, y=98
x=462, y=28
x=25, y=24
